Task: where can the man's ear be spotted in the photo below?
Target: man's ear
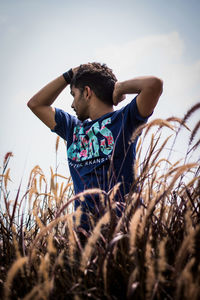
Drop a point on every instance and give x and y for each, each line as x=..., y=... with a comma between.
x=87, y=92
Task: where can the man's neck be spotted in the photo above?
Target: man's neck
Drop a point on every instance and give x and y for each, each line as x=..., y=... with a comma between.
x=99, y=109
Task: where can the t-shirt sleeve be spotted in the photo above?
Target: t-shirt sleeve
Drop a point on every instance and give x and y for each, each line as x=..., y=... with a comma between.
x=64, y=124
x=133, y=116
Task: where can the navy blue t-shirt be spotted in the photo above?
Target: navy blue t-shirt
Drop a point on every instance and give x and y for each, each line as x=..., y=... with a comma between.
x=99, y=152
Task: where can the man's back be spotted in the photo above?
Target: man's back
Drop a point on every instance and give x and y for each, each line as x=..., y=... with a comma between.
x=99, y=151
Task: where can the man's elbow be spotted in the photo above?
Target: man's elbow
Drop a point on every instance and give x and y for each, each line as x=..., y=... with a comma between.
x=157, y=85
x=31, y=104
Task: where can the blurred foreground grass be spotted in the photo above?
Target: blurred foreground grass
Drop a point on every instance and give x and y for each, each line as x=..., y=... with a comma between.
x=151, y=252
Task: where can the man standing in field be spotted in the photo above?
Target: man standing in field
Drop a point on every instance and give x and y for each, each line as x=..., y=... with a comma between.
x=98, y=140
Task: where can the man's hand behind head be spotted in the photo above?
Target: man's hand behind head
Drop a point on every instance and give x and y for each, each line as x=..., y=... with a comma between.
x=117, y=95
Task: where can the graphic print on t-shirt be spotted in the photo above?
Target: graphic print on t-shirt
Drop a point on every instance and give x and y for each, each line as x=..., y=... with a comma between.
x=92, y=143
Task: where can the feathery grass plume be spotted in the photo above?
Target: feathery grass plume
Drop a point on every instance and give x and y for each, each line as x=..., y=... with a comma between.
x=186, y=287
x=53, y=185
x=144, y=226
x=162, y=264
x=160, y=150
x=175, y=164
x=6, y=159
x=35, y=293
x=133, y=283
x=76, y=297
x=40, y=291
x=15, y=243
x=57, y=142
x=33, y=189
x=137, y=132
x=126, y=216
x=34, y=172
x=42, y=178
x=51, y=248
x=66, y=189
x=150, y=274
x=136, y=168
x=77, y=215
x=7, y=178
x=146, y=164
x=59, y=259
x=195, y=146
x=133, y=229
x=178, y=120
x=158, y=122
x=80, y=196
x=179, y=171
x=44, y=268
x=189, y=184
x=185, y=250
x=90, y=246
x=37, y=219
x=164, y=235
x=189, y=228
x=46, y=283
x=44, y=231
x=113, y=191
x=16, y=267
x=158, y=163
x=72, y=240
x=59, y=175
x=190, y=112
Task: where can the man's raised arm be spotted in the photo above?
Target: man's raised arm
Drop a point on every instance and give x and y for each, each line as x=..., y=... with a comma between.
x=41, y=102
x=148, y=88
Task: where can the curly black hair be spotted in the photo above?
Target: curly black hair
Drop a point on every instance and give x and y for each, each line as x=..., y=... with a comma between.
x=98, y=77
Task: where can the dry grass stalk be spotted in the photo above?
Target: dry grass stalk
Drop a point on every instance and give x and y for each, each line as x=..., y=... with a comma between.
x=79, y=196
x=77, y=215
x=178, y=120
x=72, y=240
x=39, y=292
x=186, y=287
x=57, y=142
x=33, y=189
x=190, y=112
x=169, y=215
x=44, y=268
x=15, y=243
x=89, y=247
x=37, y=219
x=34, y=293
x=179, y=171
x=44, y=231
x=162, y=260
x=185, y=250
x=7, y=178
x=150, y=274
x=113, y=192
x=51, y=248
x=104, y=269
x=158, y=122
x=133, y=230
x=145, y=219
x=16, y=267
x=132, y=284
x=194, y=132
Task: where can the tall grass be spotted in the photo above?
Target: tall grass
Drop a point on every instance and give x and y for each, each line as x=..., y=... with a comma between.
x=150, y=252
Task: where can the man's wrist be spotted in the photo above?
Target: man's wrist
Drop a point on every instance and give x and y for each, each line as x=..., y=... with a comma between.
x=68, y=76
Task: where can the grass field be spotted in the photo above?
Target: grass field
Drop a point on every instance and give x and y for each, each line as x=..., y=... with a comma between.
x=151, y=252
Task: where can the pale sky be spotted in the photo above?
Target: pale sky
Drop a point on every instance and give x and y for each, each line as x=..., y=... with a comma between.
x=42, y=39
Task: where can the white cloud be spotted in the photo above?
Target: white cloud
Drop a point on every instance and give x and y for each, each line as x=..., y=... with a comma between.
x=161, y=55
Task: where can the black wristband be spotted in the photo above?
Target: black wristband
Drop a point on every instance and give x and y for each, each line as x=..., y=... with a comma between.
x=68, y=76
